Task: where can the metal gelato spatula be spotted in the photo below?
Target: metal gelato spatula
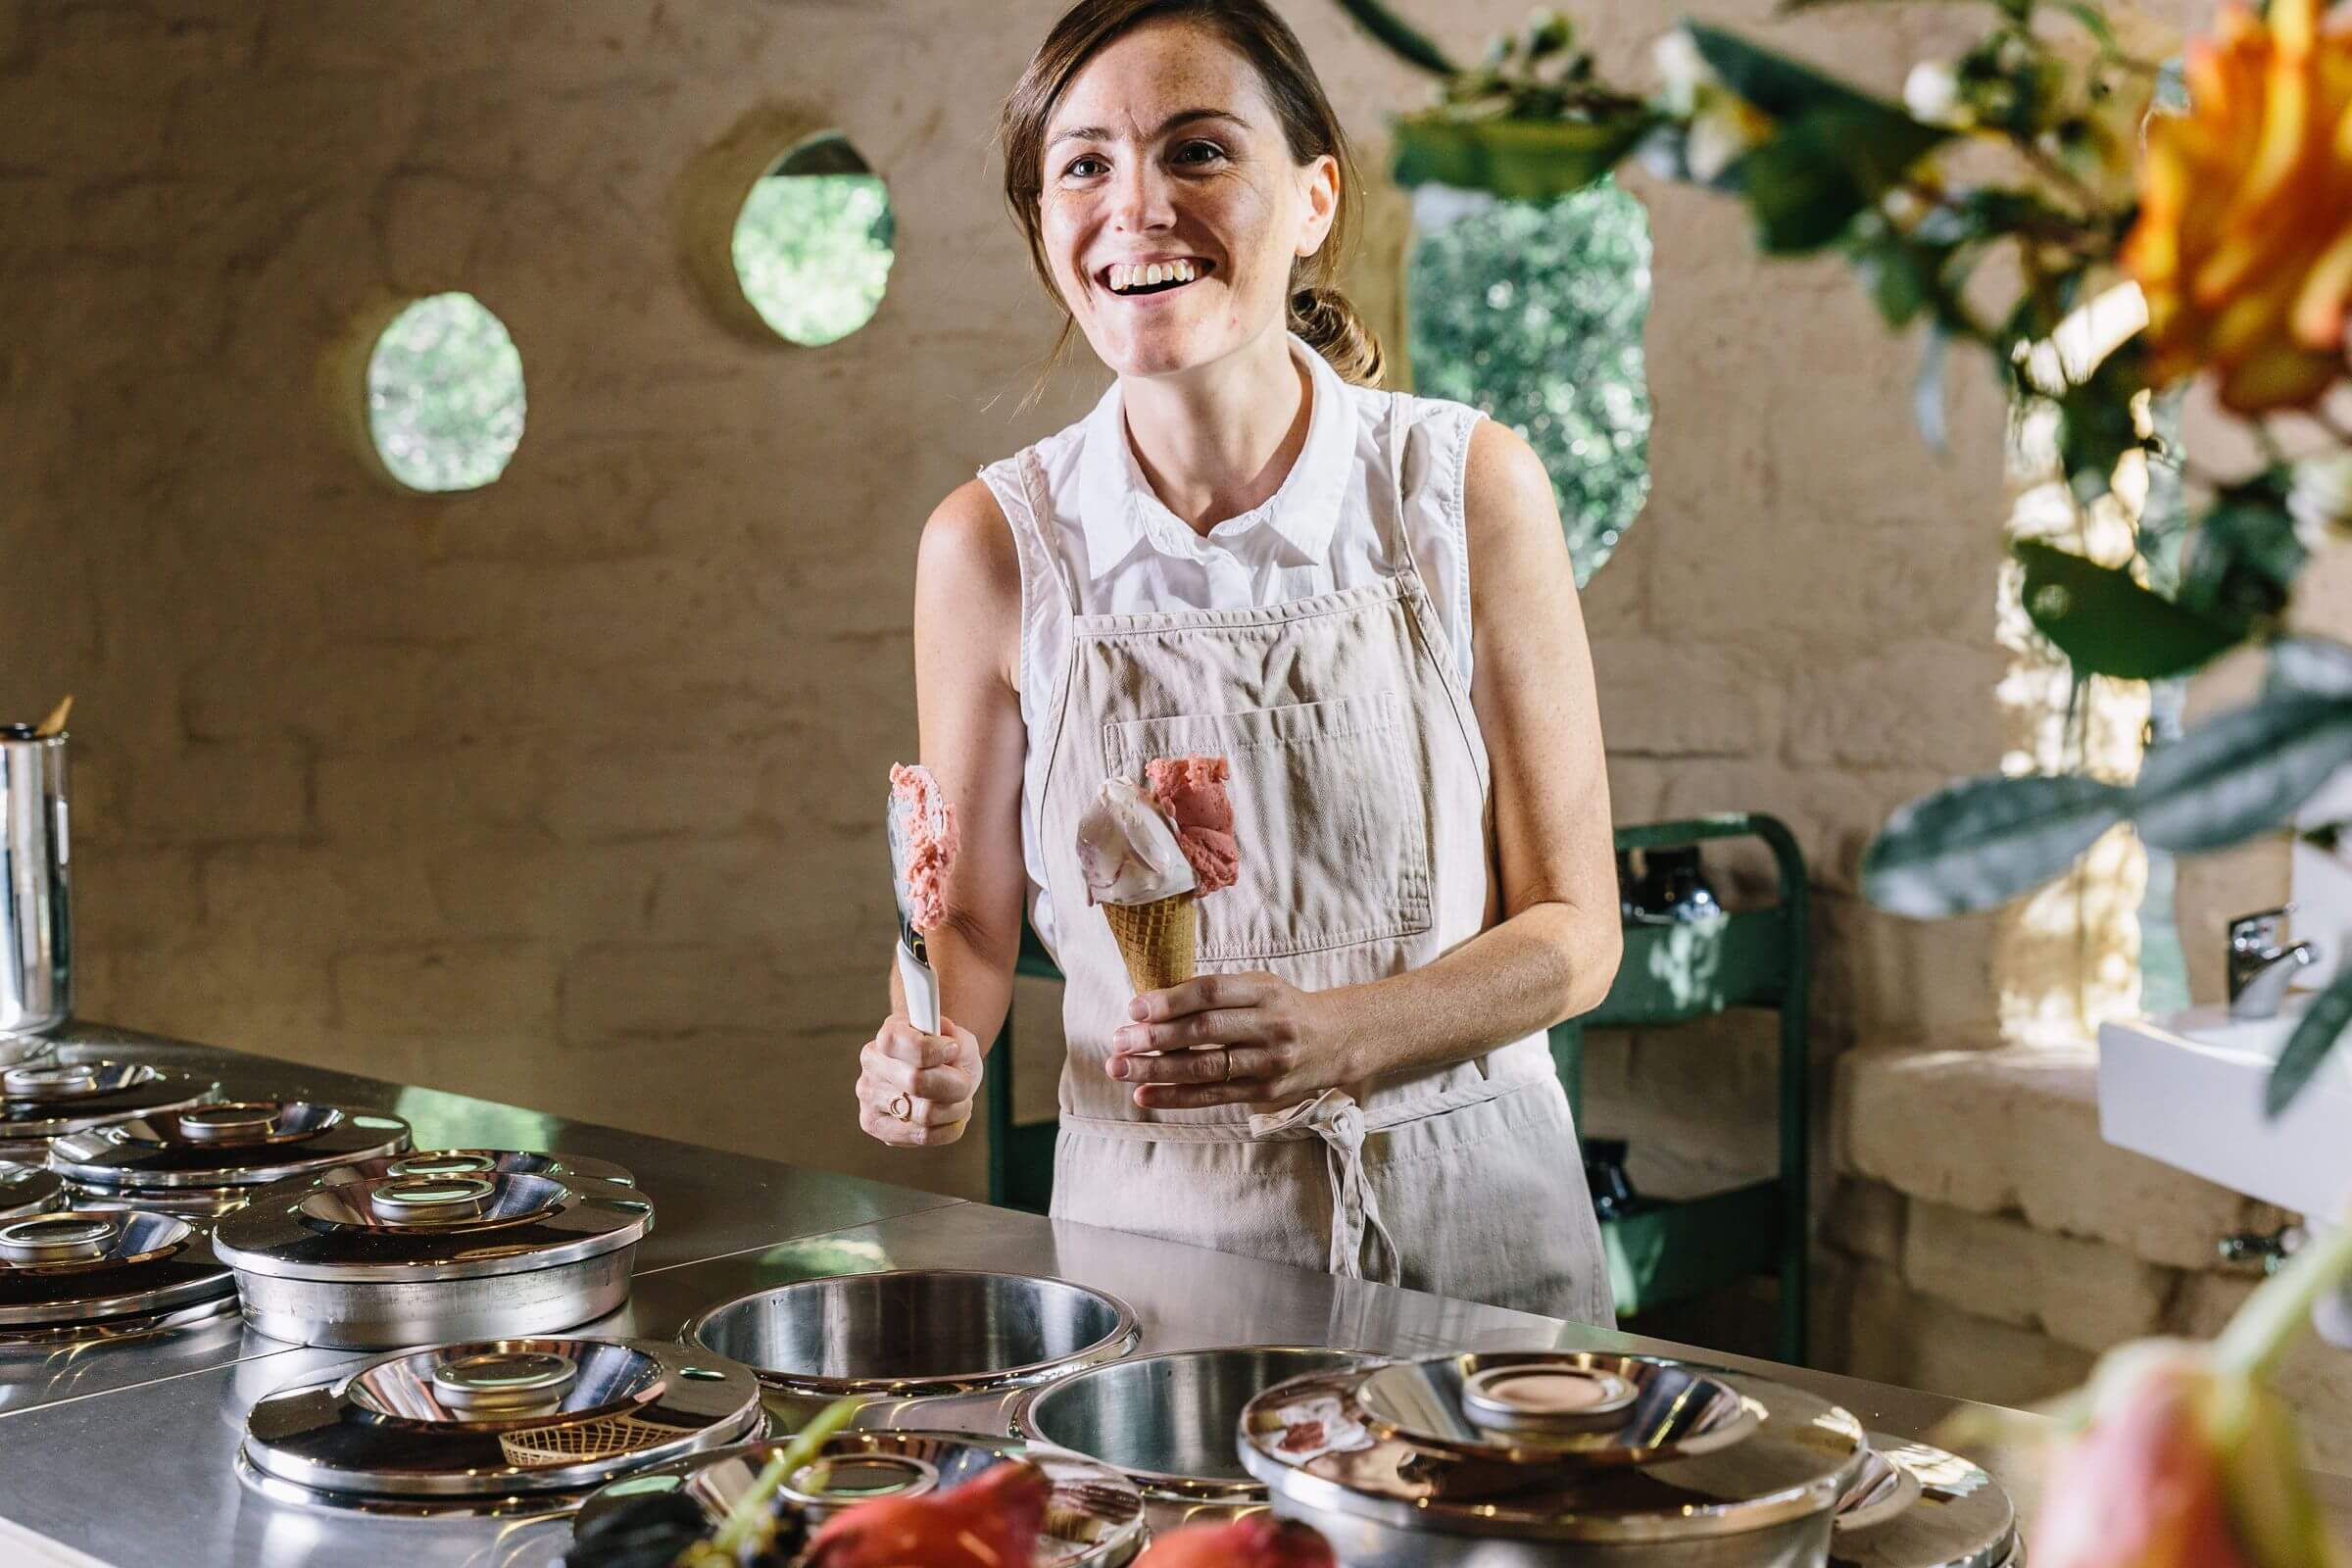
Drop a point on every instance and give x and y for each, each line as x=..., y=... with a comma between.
x=915, y=973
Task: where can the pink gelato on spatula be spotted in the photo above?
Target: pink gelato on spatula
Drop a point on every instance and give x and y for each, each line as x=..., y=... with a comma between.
x=930, y=844
x=1191, y=791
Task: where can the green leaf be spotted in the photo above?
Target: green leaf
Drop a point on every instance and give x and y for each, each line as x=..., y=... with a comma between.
x=1518, y=160
x=2243, y=558
x=1399, y=37
x=1784, y=88
x=1980, y=842
x=1807, y=183
x=1902, y=277
x=2315, y=1036
x=2314, y=666
x=2095, y=430
x=2242, y=772
x=2108, y=624
x=2093, y=21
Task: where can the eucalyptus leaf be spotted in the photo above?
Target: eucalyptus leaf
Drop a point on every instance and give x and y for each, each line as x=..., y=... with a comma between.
x=2314, y=666
x=1784, y=88
x=1519, y=160
x=1809, y=183
x=2243, y=558
x=2108, y=624
x=1980, y=842
x=2319, y=1030
x=2242, y=772
x=1399, y=37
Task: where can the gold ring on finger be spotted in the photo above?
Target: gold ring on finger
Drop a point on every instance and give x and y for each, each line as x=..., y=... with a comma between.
x=900, y=1105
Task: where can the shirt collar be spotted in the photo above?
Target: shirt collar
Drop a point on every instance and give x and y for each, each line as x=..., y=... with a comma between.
x=1120, y=512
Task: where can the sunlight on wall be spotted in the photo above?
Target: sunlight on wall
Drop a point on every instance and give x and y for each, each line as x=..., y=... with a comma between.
x=2069, y=954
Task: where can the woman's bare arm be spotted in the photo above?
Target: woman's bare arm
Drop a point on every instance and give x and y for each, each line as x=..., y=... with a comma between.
x=1556, y=950
x=967, y=616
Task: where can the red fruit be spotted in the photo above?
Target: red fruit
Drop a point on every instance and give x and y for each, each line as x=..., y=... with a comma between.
x=1254, y=1541
x=990, y=1522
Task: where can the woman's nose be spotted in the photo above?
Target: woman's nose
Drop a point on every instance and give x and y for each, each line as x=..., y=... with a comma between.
x=1141, y=198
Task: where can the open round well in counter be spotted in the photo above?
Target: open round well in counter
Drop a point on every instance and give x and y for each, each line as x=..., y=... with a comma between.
x=494, y=1425
x=915, y=1333
x=1168, y=1422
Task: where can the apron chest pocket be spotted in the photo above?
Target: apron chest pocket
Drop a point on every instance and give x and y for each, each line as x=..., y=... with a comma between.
x=1331, y=804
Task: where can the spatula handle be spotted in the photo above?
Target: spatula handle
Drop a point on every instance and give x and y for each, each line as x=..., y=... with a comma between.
x=921, y=983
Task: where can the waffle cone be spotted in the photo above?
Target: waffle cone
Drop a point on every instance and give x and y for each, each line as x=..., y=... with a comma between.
x=1157, y=939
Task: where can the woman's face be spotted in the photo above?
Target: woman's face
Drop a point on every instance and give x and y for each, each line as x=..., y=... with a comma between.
x=1164, y=148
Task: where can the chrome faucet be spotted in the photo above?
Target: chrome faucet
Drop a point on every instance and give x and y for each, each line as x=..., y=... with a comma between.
x=2259, y=967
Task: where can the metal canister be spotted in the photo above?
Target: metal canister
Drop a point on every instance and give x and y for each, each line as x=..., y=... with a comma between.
x=36, y=915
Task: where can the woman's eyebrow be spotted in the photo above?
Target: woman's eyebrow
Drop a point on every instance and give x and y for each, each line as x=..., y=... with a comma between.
x=1180, y=118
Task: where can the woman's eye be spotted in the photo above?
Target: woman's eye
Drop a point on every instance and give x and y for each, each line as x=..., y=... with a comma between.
x=1078, y=166
x=1198, y=152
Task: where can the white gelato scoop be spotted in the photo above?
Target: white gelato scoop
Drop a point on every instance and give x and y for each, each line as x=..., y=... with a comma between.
x=1127, y=851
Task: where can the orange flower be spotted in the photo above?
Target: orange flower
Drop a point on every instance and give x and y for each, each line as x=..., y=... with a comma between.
x=2243, y=246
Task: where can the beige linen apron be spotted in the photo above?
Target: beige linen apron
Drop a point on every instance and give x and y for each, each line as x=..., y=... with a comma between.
x=1360, y=792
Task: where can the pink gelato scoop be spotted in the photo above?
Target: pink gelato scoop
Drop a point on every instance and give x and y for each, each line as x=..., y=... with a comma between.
x=1192, y=790
x=930, y=844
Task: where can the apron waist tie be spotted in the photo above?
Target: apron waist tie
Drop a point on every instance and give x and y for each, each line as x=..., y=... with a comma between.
x=1338, y=1120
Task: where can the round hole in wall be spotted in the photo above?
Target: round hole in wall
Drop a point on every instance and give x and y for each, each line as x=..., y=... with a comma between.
x=814, y=240
x=444, y=395
x=1533, y=311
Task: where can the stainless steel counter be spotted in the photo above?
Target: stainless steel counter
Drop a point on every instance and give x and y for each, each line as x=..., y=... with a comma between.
x=128, y=1455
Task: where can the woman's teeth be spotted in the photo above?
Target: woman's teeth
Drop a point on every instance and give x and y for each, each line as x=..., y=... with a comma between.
x=1126, y=279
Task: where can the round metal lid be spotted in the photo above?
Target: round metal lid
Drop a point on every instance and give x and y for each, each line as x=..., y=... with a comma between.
x=29, y=1189
x=1941, y=1511
x=479, y=1163
x=384, y=1229
x=1094, y=1518
x=49, y=1098
x=465, y=1426
x=1697, y=1452
x=17, y=1048
x=234, y=1143
x=70, y=1267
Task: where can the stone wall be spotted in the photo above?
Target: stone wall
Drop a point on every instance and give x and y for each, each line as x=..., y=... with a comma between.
x=564, y=792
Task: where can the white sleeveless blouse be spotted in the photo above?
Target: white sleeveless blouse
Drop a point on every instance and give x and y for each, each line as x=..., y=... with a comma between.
x=1120, y=550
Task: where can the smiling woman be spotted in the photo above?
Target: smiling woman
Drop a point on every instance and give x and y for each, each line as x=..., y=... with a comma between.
x=1338, y=624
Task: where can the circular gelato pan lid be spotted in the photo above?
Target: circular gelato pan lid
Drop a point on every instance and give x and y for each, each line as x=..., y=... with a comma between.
x=453, y=1426
x=480, y=1163
x=29, y=1189
x=71, y=1267
x=50, y=1099
x=1696, y=1452
x=389, y=1228
x=1922, y=1507
x=225, y=1144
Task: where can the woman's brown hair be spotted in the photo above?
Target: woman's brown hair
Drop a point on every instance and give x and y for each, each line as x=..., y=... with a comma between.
x=1318, y=312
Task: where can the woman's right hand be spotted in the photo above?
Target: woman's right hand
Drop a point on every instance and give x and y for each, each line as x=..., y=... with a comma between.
x=914, y=1090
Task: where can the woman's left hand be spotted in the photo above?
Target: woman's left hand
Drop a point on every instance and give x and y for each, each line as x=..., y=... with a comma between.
x=1230, y=1039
